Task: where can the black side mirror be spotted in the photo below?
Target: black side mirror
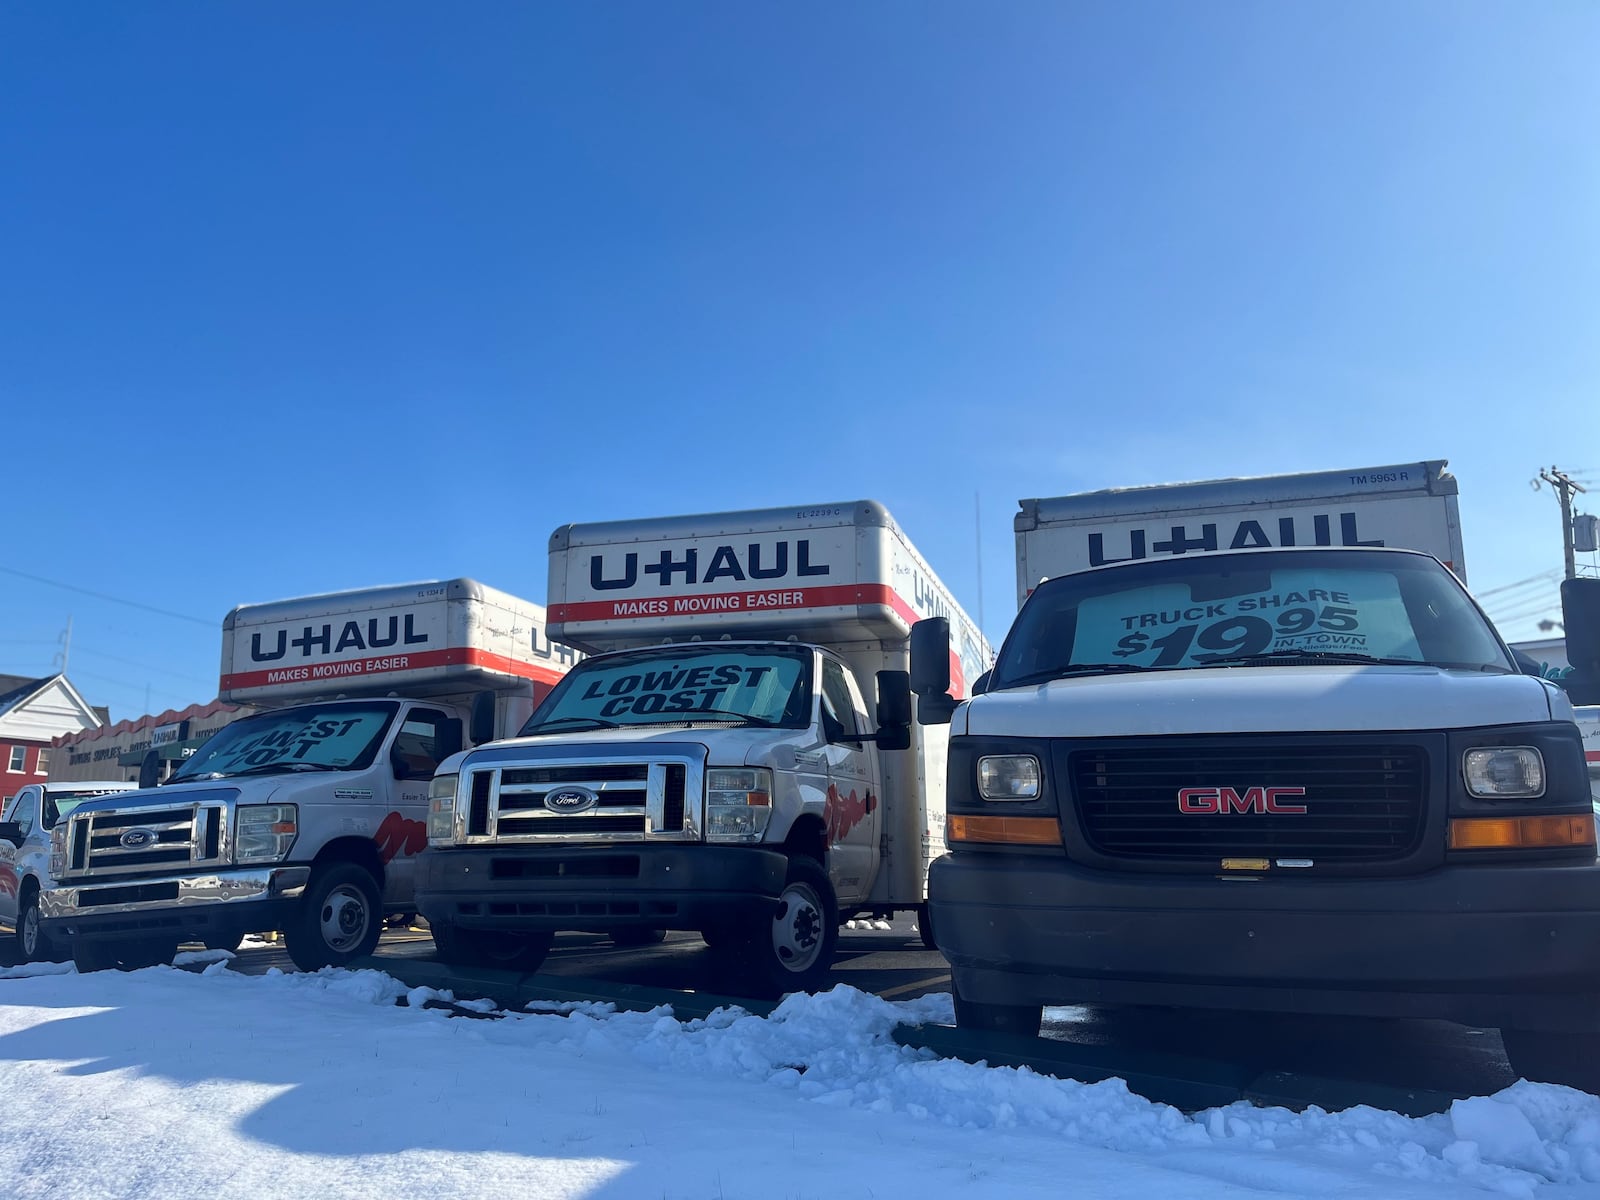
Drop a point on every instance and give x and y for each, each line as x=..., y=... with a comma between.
x=482, y=728
x=930, y=671
x=894, y=698
x=150, y=769
x=449, y=739
x=11, y=831
x=981, y=684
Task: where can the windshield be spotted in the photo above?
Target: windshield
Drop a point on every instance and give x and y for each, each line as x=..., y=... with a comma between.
x=767, y=685
x=333, y=737
x=1249, y=610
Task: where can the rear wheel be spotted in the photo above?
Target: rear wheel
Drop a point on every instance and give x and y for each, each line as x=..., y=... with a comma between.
x=337, y=919
x=637, y=935
x=223, y=941
x=124, y=956
x=501, y=950
x=1020, y=1019
x=1545, y=1057
x=925, y=926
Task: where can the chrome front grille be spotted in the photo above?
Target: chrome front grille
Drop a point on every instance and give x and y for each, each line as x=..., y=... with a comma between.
x=145, y=840
x=632, y=797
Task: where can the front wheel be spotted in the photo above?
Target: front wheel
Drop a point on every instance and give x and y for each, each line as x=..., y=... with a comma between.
x=32, y=945
x=637, y=935
x=1544, y=1057
x=502, y=950
x=1020, y=1019
x=337, y=919
x=792, y=949
x=223, y=941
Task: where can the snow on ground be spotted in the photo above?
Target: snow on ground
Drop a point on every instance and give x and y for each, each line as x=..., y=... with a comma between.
x=165, y=1083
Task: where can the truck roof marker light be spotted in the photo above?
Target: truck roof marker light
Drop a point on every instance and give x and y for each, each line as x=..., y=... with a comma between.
x=1521, y=833
x=1017, y=831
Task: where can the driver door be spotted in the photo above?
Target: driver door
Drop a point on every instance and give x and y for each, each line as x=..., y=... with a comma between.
x=852, y=810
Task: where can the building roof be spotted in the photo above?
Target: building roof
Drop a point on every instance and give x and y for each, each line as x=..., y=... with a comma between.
x=20, y=689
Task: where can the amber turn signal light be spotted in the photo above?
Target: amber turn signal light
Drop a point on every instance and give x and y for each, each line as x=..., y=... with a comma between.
x=1521, y=833
x=1019, y=831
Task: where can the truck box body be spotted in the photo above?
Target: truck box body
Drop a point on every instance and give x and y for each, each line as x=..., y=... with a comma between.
x=423, y=639
x=1412, y=506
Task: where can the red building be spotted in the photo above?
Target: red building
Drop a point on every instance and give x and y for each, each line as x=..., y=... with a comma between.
x=33, y=713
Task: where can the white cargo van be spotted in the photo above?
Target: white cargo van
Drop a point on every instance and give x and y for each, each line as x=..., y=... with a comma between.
x=737, y=758
x=1305, y=780
x=308, y=817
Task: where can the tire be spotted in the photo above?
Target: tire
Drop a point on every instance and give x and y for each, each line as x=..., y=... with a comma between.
x=925, y=926
x=1021, y=1019
x=222, y=941
x=504, y=951
x=792, y=949
x=719, y=937
x=1543, y=1057
x=637, y=935
x=338, y=918
x=124, y=956
x=32, y=945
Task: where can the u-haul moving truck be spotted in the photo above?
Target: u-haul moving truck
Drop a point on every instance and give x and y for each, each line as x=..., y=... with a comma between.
x=307, y=817
x=736, y=758
x=1412, y=505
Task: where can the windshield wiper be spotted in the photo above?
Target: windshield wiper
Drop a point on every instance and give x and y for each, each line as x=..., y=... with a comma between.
x=590, y=722
x=1331, y=656
x=1074, y=669
x=749, y=718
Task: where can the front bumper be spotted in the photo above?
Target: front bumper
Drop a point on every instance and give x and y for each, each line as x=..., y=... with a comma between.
x=1512, y=945
x=191, y=907
x=597, y=888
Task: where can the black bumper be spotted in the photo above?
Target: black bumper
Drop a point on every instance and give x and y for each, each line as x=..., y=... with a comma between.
x=597, y=888
x=212, y=922
x=1513, y=945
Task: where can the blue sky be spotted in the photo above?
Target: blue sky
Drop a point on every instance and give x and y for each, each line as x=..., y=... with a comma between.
x=298, y=297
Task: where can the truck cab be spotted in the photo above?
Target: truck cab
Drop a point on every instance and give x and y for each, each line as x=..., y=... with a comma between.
x=1294, y=780
x=25, y=827
x=306, y=817
x=730, y=759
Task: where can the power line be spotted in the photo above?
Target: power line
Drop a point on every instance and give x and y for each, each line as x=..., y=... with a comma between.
x=1550, y=575
x=162, y=612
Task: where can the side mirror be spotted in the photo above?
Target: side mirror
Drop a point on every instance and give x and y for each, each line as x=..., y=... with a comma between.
x=930, y=657
x=930, y=671
x=449, y=741
x=981, y=684
x=11, y=831
x=894, y=710
x=150, y=769
x=482, y=728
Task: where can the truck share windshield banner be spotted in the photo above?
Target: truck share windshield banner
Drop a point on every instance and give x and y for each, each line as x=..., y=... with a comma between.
x=1311, y=611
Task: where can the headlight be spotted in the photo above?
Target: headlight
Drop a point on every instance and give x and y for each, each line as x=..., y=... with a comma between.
x=263, y=832
x=738, y=804
x=1504, y=772
x=442, y=807
x=58, y=849
x=1008, y=777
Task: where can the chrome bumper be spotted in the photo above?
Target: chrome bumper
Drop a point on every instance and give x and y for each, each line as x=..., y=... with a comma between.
x=65, y=901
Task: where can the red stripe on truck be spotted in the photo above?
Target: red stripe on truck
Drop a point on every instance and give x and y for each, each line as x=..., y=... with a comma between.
x=1592, y=756
x=389, y=664
x=751, y=600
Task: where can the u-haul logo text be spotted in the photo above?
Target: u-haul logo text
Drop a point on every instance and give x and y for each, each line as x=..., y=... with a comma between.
x=1246, y=535
x=756, y=561
x=319, y=639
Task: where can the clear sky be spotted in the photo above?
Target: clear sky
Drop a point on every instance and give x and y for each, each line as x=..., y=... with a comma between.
x=302, y=297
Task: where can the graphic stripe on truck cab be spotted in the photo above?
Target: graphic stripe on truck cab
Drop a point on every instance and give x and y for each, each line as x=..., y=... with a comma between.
x=747, y=600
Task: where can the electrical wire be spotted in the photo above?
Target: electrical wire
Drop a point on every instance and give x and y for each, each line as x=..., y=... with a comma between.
x=150, y=608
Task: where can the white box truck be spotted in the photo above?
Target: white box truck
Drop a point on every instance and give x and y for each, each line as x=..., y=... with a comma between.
x=306, y=817
x=1412, y=505
x=1292, y=778
x=736, y=757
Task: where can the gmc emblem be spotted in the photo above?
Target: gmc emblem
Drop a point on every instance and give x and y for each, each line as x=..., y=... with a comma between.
x=1226, y=800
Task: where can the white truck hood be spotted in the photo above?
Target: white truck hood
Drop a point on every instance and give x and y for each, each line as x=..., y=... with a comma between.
x=1334, y=698
x=728, y=745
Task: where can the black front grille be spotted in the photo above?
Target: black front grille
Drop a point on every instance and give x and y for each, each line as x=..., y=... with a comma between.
x=581, y=823
x=673, y=795
x=1364, y=803
x=584, y=773
x=478, y=813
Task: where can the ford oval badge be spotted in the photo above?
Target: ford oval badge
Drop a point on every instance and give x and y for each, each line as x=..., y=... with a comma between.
x=570, y=800
x=137, y=839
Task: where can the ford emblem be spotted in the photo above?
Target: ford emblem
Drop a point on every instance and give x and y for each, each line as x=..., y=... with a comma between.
x=138, y=839
x=570, y=800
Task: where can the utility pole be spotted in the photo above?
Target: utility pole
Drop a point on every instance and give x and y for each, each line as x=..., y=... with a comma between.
x=66, y=646
x=1564, y=487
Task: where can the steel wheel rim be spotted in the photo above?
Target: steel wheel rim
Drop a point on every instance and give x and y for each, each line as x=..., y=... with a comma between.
x=30, y=930
x=344, y=918
x=797, y=928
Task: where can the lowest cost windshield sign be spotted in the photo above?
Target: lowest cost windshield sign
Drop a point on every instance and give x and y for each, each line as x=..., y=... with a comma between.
x=1353, y=612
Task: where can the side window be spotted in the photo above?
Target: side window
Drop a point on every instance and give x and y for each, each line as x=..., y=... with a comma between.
x=424, y=740
x=838, y=710
x=26, y=811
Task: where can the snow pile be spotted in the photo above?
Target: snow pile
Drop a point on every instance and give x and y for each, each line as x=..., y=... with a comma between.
x=345, y=1083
